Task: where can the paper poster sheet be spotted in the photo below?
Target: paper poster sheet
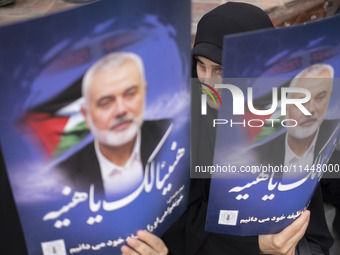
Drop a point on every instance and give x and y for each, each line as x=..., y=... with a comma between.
x=48, y=128
x=277, y=127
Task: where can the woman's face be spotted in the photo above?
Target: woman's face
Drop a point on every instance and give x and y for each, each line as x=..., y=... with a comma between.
x=209, y=73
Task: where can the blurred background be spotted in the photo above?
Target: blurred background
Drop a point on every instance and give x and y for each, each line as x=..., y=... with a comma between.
x=281, y=12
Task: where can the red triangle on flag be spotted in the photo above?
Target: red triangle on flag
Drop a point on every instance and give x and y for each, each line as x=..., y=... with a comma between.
x=48, y=128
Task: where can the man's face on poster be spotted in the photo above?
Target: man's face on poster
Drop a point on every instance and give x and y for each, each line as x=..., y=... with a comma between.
x=115, y=104
x=320, y=88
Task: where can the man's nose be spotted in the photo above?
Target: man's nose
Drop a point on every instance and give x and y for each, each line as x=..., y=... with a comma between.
x=310, y=106
x=120, y=107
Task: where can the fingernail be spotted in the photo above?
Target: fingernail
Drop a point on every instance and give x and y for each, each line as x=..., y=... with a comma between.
x=124, y=249
x=131, y=241
x=141, y=233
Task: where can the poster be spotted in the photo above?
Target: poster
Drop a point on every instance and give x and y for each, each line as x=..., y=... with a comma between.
x=277, y=127
x=48, y=137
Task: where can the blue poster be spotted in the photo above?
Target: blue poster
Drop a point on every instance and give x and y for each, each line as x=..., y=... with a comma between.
x=276, y=128
x=95, y=123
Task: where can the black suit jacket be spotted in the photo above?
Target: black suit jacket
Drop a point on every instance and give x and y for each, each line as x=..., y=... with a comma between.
x=273, y=152
x=82, y=168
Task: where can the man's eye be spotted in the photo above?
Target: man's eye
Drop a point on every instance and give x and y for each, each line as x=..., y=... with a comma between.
x=104, y=102
x=320, y=97
x=131, y=93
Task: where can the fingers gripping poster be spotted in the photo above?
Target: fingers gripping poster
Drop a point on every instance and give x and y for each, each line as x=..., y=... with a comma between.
x=95, y=123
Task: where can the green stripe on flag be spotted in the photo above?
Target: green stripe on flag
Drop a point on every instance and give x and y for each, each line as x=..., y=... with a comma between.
x=71, y=137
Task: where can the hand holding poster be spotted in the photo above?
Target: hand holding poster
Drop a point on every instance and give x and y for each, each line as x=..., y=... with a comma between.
x=94, y=123
x=275, y=133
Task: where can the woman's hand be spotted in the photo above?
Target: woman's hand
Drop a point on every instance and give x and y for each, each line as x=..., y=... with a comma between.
x=146, y=243
x=284, y=243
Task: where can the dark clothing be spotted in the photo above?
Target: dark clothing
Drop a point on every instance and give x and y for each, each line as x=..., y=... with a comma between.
x=12, y=238
x=331, y=190
x=187, y=235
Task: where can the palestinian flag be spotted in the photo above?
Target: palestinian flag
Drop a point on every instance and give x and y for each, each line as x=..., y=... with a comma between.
x=57, y=125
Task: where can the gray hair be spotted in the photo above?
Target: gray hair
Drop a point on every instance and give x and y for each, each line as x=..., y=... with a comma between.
x=108, y=62
x=312, y=72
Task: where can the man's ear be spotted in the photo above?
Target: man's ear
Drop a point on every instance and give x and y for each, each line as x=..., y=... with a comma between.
x=84, y=113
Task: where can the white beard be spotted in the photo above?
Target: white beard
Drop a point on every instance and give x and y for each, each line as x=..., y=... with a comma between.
x=304, y=132
x=116, y=138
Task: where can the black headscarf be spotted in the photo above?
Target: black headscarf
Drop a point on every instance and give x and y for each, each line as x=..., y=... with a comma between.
x=187, y=235
x=226, y=19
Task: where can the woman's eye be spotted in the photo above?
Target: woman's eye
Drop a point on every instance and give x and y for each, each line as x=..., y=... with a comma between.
x=218, y=70
x=201, y=66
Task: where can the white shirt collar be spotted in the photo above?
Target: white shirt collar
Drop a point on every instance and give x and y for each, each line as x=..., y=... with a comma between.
x=107, y=166
x=306, y=159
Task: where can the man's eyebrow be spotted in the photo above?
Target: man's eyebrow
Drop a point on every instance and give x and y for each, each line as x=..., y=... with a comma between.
x=135, y=86
x=104, y=97
x=322, y=93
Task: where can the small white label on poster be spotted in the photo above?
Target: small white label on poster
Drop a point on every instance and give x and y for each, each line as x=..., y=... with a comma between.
x=228, y=217
x=56, y=247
